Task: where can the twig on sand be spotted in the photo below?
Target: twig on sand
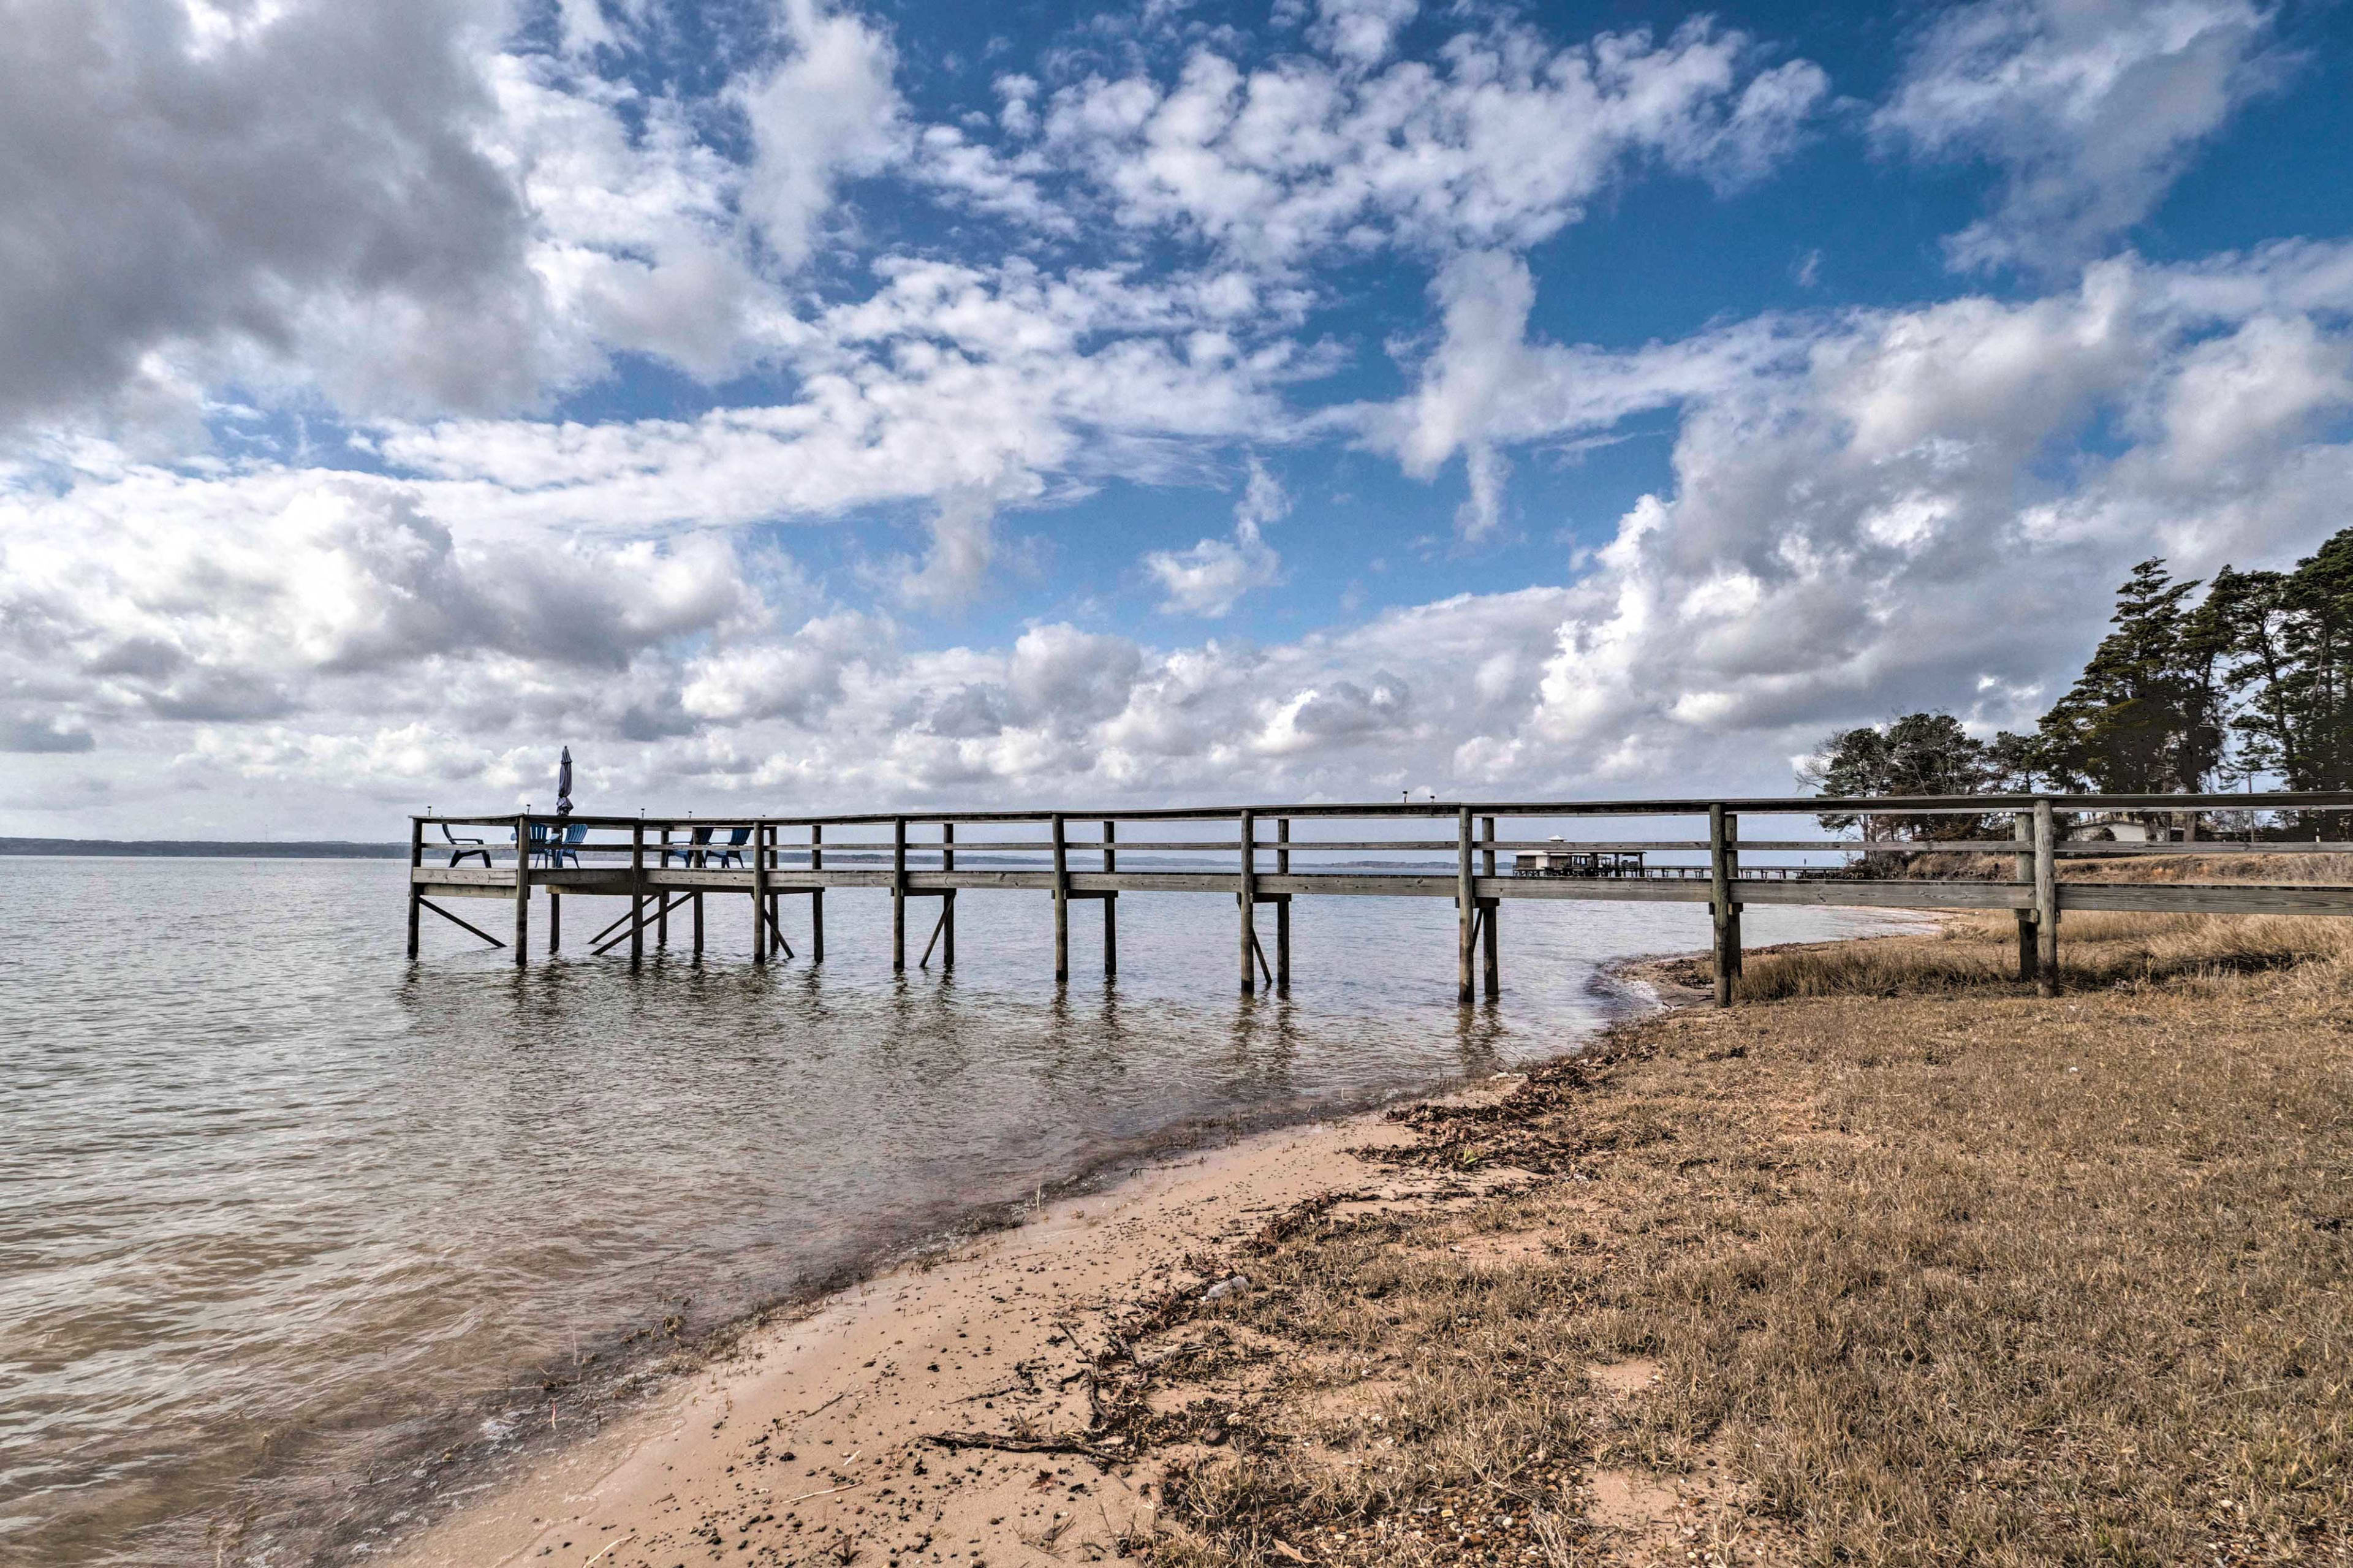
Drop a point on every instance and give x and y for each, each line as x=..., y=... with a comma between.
x=827, y=1492
x=610, y=1544
x=826, y=1406
x=1013, y=1442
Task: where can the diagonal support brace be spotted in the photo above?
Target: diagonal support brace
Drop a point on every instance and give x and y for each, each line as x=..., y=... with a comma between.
x=663, y=905
x=454, y=920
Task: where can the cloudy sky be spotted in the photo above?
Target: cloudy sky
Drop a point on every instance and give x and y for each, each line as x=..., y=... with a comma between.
x=824, y=405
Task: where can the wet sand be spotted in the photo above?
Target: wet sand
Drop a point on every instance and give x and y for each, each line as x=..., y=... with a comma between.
x=817, y=1440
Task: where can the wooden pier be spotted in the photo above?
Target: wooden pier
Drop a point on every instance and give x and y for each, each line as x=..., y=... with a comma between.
x=666, y=867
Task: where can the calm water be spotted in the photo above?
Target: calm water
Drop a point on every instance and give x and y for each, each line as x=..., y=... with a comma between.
x=279, y=1210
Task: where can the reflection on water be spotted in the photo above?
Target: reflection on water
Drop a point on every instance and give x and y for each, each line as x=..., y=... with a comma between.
x=276, y=1205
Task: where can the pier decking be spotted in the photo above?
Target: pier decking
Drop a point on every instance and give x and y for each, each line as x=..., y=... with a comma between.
x=667, y=866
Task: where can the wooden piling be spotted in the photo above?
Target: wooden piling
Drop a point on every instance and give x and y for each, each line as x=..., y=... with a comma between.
x=554, y=921
x=816, y=899
x=947, y=900
x=776, y=899
x=1466, y=906
x=2021, y=827
x=1111, y=900
x=1719, y=905
x=2046, y=902
x=759, y=847
x=1490, y=954
x=1282, y=910
x=661, y=905
x=523, y=892
x=636, y=894
x=898, y=895
x=416, y=894
x=1250, y=902
x=1061, y=903
x=698, y=925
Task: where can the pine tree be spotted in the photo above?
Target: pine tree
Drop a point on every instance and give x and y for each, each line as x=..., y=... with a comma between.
x=2146, y=716
x=1919, y=753
x=2318, y=690
x=2254, y=606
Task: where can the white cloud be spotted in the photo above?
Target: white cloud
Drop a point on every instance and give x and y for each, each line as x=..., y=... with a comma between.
x=2091, y=109
x=157, y=597
x=959, y=389
x=1499, y=144
x=240, y=179
x=1874, y=528
x=963, y=549
x=1212, y=577
x=404, y=210
x=829, y=110
x=1487, y=388
x=1360, y=32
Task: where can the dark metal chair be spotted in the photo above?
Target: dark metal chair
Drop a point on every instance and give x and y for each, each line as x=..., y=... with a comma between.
x=457, y=852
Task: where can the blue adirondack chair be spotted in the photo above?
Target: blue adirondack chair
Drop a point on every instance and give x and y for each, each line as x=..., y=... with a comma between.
x=691, y=853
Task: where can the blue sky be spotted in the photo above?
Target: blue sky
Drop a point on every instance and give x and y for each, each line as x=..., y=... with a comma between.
x=824, y=403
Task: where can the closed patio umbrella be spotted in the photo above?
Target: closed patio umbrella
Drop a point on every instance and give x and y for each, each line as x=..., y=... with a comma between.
x=564, y=784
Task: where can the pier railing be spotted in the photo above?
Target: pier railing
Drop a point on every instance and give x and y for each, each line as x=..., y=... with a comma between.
x=1266, y=855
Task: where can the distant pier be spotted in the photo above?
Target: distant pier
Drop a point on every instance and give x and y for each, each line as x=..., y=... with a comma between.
x=665, y=868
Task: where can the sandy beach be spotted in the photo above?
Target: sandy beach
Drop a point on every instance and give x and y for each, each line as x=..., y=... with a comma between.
x=846, y=1434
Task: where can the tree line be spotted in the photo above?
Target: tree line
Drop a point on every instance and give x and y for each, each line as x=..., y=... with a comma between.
x=2186, y=693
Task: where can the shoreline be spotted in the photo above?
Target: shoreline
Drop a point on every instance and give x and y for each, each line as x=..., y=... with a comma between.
x=623, y=1398
x=825, y=1424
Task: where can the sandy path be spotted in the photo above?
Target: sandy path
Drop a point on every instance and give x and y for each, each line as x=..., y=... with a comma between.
x=812, y=1445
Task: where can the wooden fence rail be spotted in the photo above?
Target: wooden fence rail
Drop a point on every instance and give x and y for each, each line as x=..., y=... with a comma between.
x=665, y=865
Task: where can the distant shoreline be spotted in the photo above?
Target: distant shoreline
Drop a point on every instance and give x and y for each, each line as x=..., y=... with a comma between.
x=194, y=848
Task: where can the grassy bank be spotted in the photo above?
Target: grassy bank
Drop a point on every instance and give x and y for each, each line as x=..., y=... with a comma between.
x=1898, y=1265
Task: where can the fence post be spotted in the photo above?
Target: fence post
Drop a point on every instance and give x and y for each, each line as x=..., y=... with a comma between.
x=1490, y=950
x=1719, y=905
x=416, y=859
x=1250, y=902
x=898, y=895
x=1061, y=902
x=522, y=890
x=2046, y=903
x=1737, y=953
x=1466, y=905
x=2021, y=827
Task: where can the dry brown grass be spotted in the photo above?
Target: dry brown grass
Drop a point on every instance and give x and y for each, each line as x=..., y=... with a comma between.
x=1976, y=954
x=2275, y=869
x=1931, y=1272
